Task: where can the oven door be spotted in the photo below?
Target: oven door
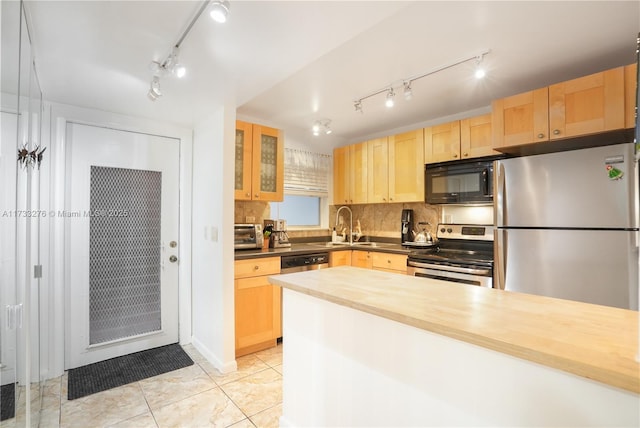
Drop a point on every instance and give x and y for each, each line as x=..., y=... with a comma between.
x=482, y=277
x=459, y=183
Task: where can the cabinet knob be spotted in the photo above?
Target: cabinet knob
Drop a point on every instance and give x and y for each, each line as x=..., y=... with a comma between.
x=455, y=155
x=466, y=154
x=256, y=195
x=248, y=194
x=388, y=261
x=391, y=199
x=556, y=131
x=540, y=135
x=384, y=199
x=256, y=267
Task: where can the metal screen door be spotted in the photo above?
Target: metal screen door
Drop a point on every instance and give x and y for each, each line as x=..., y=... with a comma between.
x=122, y=223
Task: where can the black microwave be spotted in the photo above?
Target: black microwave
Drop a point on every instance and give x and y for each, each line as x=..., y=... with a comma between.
x=459, y=182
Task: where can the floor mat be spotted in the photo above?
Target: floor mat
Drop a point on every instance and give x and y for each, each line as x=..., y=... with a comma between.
x=7, y=401
x=120, y=371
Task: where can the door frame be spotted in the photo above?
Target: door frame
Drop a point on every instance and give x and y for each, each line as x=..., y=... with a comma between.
x=60, y=117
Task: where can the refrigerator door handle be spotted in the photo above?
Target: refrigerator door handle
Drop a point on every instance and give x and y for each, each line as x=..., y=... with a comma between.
x=500, y=195
x=500, y=263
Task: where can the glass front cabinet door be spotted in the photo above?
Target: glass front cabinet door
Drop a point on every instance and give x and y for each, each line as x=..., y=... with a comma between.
x=259, y=168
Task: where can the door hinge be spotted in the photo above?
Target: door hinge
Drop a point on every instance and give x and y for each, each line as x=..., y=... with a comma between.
x=37, y=271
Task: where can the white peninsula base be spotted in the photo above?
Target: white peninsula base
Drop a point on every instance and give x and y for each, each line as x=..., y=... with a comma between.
x=348, y=368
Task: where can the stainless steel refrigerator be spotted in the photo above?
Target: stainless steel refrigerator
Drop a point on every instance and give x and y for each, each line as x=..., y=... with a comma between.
x=567, y=225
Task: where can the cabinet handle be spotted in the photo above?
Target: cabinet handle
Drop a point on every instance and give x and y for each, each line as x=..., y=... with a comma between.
x=391, y=199
x=388, y=261
x=540, y=135
x=248, y=194
x=466, y=154
x=556, y=131
x=256, y=195
x=256, y=267
x=384, y=199
x=455, y=155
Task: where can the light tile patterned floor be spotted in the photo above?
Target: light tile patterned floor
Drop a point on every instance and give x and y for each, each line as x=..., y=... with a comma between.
x=196, y=396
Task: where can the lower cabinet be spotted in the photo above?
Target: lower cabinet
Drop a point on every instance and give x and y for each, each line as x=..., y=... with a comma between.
x=396, y=263
x=258, y=305
x=340, y=258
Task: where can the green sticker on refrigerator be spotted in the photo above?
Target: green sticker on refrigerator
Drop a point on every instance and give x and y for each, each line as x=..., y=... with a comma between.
x=614, y=173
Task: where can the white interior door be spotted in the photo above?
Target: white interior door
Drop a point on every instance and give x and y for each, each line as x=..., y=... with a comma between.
x=122, y=225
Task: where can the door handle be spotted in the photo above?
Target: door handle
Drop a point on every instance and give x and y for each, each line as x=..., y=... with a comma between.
x=173, y=259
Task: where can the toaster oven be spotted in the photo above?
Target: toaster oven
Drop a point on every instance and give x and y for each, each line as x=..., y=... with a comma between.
x=248, y=236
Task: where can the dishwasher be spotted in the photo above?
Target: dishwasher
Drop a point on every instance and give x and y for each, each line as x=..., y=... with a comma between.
x=303, y=262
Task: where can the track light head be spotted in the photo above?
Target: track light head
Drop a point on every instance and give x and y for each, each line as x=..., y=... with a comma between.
x=408, y=92
x=389, y=102
x=154, y=89
x=321, y=125
x=358, y=106
x=219, y=10
x=480, y=72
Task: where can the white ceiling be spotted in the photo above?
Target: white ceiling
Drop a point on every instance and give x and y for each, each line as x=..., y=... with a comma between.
x=288, y=63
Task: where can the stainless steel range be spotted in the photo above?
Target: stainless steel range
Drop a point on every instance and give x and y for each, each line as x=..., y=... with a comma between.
x=463, y=253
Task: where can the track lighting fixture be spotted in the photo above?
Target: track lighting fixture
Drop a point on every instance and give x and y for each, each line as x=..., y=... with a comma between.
x=389, y=101
x=321, y=126
x=219, y=10
x=480, y=72
x=171, y=65
x=154, y=90
x=406, y=83
x=407, y=91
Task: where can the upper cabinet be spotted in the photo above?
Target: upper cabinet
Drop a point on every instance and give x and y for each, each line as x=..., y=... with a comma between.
x=442, y=142
x=378, y=177
x=630, y=93
x=463, y=139
x=583, y=106
x=350, y=174
x=259, y=169
x=406, y=167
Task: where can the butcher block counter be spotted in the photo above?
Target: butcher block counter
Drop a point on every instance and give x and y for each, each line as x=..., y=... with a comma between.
x=557, y=339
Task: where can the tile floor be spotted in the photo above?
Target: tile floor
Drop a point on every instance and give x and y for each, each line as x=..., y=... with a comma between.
x=196, y=396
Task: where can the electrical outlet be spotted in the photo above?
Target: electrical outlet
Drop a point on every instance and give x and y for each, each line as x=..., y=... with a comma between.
x=250, y=219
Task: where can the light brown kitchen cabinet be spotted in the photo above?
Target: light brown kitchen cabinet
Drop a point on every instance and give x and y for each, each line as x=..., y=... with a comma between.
x=406, y=167
x=350, y=174
x=442, y=142
x=259, y=169
x=258, y=322
x=378, y=171
x=340, y=258
x=361, y=259
x=476, y=138
x=388, y=262
x=630, y=94
x=577, y=107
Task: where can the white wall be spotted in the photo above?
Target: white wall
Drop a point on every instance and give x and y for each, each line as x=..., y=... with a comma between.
x=213, y=206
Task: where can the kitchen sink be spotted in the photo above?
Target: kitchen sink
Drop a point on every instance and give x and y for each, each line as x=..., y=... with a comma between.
x=367, y=244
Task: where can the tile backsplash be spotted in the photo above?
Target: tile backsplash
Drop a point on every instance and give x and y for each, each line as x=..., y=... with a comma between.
x=382, y=220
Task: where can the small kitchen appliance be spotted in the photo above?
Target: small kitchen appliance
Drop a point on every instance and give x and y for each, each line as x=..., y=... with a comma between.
x=247, y=236
x=463, y=254
x=279, y=237
x=406, y=226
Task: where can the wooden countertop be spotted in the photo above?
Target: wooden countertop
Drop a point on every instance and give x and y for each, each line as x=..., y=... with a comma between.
x=592, y=341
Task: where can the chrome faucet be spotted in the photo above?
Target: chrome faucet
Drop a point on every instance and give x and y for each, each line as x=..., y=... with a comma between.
x=350, y=222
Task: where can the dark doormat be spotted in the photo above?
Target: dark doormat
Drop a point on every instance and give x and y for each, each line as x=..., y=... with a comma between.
x=7, y=401
x=120, y=371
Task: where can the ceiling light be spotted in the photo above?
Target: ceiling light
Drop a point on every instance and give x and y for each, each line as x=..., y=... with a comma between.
x=480, y=72
x=154, y=89
x=389, y=101
x=408, y=92
x=219, y=10
x=407, y=82
x=320, y=126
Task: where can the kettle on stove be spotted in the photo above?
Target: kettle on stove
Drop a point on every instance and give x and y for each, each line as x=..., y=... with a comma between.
x=423, y=236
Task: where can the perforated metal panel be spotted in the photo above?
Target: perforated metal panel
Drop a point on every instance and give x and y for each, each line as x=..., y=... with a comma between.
x=124, y=253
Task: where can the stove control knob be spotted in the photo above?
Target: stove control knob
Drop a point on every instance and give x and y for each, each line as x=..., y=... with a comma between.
x=449, y=230
x=442, y=230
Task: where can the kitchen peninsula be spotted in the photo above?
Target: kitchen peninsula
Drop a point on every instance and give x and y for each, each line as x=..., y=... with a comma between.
x=370, y=348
